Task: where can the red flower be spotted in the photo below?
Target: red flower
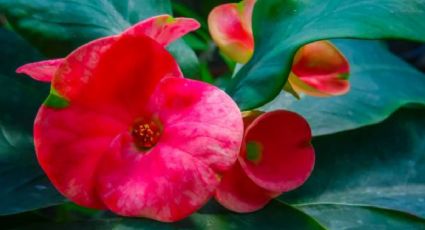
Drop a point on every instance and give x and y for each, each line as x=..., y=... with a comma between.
x=319, y=68
x=230, y=28
x=123, y=130
x=276, y=157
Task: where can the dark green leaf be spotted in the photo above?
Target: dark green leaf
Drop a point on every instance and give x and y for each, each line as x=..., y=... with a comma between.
x=380, y=165
x=23, y=184
x=58, y=27
x=276, y=215
x=282, y=26
x=380, y=84
x=186, y=58
x=340, y=216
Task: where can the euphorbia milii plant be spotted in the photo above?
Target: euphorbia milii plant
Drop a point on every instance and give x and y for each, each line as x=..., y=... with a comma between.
x=319, y=68
x=123, y=130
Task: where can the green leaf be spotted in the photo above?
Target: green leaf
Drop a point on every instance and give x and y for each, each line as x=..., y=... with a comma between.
x=23, y=184
x=282, y=26
x=379, y=165
x=380, y=84
x=58, y=27
x=186, y=58
x=276, y=215
x=341, y=216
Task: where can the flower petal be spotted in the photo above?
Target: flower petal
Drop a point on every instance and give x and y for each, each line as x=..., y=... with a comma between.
x=164, y=184
x=69, y=143
x=199, y=119
x=279, y=156
x=164, y=29
x=41, y=71
x=77, y=68
x=320, y=69
x=230, y=27
x=127, y=81
x=239, y=193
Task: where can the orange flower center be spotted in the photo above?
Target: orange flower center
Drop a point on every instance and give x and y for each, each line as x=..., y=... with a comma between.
x=146, y=133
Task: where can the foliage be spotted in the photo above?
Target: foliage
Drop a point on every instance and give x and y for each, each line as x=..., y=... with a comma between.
x=369, y=171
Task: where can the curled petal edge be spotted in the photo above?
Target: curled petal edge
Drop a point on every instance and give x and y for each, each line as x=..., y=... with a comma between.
x=164, y=29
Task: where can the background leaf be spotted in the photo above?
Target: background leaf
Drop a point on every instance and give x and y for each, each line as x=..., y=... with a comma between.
x=340, y=216
x=58, y=27
x=282, y=26
x=276, y=215
x=380, y=84
x=380, y=165
x=23, y=184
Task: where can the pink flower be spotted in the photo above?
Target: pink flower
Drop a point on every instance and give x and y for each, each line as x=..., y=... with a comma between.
x=319, y=68
x=123, y=130
x=276, y=157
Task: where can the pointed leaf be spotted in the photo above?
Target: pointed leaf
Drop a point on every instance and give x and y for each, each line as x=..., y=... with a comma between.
x=281, y=27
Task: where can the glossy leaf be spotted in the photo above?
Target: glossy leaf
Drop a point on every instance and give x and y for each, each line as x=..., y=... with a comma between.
x=380, y=165
x=276, y=215
x=380, y=84
x=281, y=27
x=341, y=216
x=58, y=27
x=23, y=185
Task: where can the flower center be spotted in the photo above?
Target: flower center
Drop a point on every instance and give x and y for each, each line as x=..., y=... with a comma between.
x=146, y=133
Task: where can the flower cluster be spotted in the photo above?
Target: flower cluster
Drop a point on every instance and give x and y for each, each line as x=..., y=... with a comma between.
x=123, y=130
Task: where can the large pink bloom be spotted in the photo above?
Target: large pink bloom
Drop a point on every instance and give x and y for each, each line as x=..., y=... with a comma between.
x=123, y=130
x=276, y=157
x=319, y=68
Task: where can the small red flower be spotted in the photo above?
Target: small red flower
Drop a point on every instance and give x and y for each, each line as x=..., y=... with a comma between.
x=123, y=130
x=230, y=28
x=276, y=157
x=319, y=68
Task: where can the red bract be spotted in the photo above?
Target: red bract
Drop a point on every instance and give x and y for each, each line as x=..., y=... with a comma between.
x=123, y=130
x=277, y=157
x=319, y=68
x=230, y=28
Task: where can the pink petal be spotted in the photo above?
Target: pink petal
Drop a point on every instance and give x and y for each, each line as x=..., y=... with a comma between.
x=230, y=27
x=279, y=156
x=199, y=119
x=164, y=29
x=94, y=77
x=77, y=69
x=239, y=193
x=69, y=143
x=41, y=71
x=320, y=69
x=164, y=184
x=129, y=81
